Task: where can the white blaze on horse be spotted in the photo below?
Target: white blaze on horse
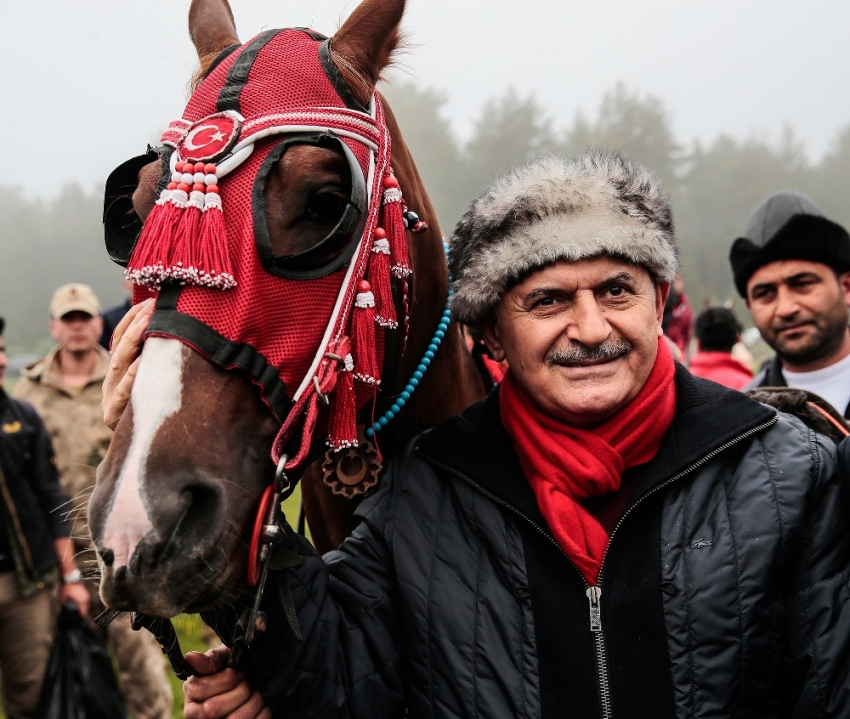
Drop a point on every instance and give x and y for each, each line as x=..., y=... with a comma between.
x=298, y=295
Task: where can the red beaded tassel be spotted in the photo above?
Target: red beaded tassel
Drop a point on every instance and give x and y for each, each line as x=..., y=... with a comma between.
x=214, y=249
x=363, y=335
x=149, y=263
x=381, y=281
x=342, y=429
x=183, y=258
x=393, y=223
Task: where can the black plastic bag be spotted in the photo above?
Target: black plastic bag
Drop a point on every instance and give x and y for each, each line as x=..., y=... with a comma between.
x=80, y=682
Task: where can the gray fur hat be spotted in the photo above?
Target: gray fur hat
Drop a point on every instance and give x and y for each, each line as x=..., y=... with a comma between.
x=554, y=209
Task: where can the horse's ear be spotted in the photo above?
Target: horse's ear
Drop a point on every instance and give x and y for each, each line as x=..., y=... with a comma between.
x=212, y=28
x=363, y=46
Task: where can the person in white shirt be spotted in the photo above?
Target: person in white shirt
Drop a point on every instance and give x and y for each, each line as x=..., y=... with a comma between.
x=793, y=270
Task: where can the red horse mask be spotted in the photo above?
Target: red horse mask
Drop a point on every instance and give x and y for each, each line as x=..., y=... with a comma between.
x=306, y=333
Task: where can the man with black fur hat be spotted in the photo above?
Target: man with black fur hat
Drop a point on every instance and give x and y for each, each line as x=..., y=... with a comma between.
x=793, y=270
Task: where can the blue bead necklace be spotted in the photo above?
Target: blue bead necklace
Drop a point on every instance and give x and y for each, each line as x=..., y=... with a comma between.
x=433, y=346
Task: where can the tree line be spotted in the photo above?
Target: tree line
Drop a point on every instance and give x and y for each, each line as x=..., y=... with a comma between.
x=714, y=187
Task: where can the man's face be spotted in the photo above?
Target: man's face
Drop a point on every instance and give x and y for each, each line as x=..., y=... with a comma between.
x=580, y=337
x=76, y=331
x=800, y=308
x=4, y=362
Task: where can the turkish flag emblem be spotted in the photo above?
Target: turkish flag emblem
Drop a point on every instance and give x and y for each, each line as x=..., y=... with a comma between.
x=210, y=139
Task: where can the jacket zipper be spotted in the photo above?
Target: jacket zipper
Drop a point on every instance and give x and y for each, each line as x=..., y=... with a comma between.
x=594, y=594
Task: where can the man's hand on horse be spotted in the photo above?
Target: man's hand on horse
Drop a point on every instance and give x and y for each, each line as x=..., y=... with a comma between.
x=220, y=693
x=127, y=343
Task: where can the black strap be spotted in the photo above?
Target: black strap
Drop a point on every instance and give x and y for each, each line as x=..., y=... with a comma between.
x=332, y=72
x=221, y=57
x=163, y=631
x=237, y=76
x=284, y=593
x=224, y=353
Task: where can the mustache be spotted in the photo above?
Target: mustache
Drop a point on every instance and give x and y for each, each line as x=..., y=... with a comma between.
x=609, y=350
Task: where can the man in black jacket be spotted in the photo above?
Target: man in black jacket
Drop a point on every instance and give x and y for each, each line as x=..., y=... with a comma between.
x=604, y=536
x=793, y=270
x=35, y=550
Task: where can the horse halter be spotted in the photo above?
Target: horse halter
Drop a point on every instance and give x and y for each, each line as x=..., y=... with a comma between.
x=305, y=327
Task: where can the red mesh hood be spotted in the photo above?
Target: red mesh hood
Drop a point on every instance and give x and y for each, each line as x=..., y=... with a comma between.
x=271, y=327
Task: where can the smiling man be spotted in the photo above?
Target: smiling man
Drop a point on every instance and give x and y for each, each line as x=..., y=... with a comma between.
x=603, y=536
x=793, y=270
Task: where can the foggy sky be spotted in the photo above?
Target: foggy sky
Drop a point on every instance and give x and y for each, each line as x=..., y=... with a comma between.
x=88, y=83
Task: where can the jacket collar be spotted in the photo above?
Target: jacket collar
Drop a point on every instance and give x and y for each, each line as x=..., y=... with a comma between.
x=46, y=370
x=475, y=444
x=773, y=376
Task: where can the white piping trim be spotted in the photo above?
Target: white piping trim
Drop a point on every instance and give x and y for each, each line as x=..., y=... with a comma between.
x=343, y=291
x=233, y=160
x=282, y=129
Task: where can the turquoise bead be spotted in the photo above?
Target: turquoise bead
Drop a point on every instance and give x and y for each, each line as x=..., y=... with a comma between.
x=436, y=341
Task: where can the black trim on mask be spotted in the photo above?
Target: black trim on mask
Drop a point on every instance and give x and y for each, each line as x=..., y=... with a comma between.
x=221, y=57
x=348, y=229
x=121, y=224
x=224, y=353
x=317, y=36
x=332, y=72
x=237, y=75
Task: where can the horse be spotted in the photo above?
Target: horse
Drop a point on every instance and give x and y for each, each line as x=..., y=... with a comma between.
x=178, y=491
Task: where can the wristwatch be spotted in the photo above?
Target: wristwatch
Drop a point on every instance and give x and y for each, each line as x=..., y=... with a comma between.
x=74, y=577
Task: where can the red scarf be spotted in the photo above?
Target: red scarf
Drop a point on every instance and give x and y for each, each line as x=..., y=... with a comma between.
x=567, y=466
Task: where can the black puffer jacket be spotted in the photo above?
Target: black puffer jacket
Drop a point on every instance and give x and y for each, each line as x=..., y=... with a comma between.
x=724, y=591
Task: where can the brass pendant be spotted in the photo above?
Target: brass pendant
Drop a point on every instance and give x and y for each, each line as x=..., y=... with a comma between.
x=352, y=471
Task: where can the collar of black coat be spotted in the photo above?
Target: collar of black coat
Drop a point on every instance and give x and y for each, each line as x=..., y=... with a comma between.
x=475, y=444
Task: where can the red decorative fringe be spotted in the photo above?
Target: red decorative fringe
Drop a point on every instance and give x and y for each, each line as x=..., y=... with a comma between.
x=393, y=224
x=363, y=336
x=150, y=259
x=214, y=250
x=380, y=279
x=183, y=254
x=342, y=430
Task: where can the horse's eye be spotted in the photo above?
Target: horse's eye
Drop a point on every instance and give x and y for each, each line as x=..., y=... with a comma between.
x=326, y=207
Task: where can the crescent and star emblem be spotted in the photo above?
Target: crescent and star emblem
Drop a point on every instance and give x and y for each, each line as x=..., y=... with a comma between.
x=217, y=136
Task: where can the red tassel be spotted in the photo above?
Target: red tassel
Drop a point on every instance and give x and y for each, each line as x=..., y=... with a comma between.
x=342, y=431
x=149, y=262
x=213, y=247
x=393, y=223
x=363, y=335
x=183, y=257
x=380, y=279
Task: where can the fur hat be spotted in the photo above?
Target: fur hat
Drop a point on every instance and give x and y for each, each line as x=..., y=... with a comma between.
x=788, y=225
x=559, y=209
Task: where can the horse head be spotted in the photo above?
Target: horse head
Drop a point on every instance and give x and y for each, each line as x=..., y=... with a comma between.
x=267, y=227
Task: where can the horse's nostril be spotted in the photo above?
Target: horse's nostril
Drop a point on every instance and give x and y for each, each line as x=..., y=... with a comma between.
x=200, y=506
x=121, y=574
x=107, y=555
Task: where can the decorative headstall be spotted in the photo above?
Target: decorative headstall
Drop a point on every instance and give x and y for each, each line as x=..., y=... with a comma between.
x=205, y=247
x=206, y=252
